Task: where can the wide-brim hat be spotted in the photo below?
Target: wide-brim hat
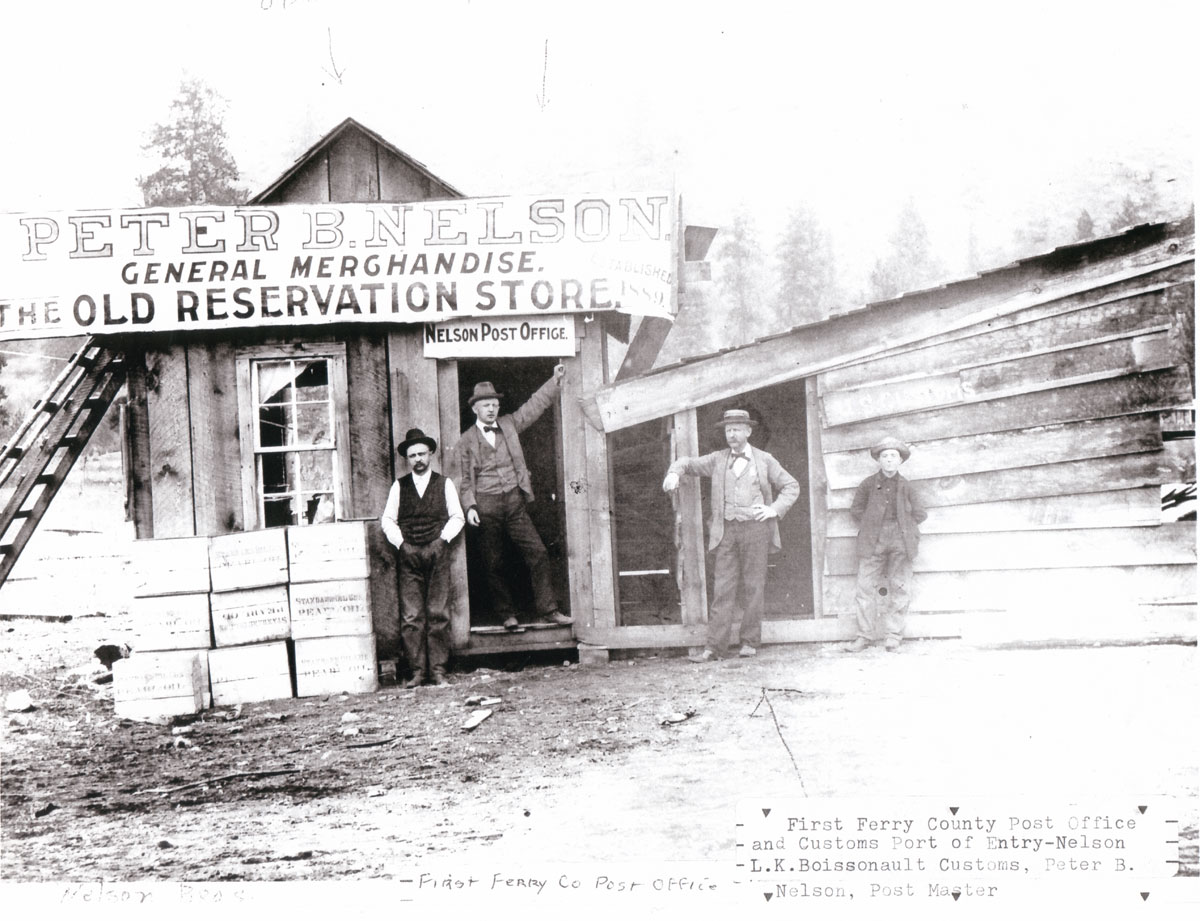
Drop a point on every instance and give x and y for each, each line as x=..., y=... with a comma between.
x=736, y=417
x=415, y=437
x=484, y=391
x=890, y=442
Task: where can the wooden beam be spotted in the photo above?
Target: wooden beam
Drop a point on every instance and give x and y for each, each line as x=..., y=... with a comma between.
x=1175, y=463
x=1148, y=392
x=138, y=446
x=460, y=594
x=1061, y=324
x=647, y=343
x=1168, y=544
x=858, y=335
x=1008, y=589
x=1047, y=444
x=599, y=491
x=693, y=587
x=1139, y=507
x=1060, y=368
x=575, y=492
x=818, y=492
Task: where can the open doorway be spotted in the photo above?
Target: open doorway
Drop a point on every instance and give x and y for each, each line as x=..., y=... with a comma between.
x=517, y=379
x=781, y=430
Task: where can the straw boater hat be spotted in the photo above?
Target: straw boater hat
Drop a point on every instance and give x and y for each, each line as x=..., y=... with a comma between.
x=484, y=391
x=890, y=442
x=413, y=437
x=736, y=417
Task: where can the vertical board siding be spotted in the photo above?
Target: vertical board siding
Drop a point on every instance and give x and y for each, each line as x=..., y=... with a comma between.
x=138, y=445
x=370, y=439
x=353, y=168
x=398, y=181
x=216, y=444
x=170, y=442
x=310, y=184
x=690, y=511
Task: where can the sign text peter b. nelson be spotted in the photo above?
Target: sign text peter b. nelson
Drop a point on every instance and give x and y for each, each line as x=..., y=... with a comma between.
x=215, y=268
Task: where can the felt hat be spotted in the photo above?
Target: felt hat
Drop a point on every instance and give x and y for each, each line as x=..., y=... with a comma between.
x=890, y=442
x=484, y=391
x=413, y=437
x=736, y=417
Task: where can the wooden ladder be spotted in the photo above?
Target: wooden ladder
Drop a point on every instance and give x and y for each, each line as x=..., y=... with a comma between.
x=35, y=462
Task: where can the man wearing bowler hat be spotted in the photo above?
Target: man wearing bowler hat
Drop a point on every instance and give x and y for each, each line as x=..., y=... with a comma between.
x=888, y=511
x=422, y=515
x=750, y=490
x=496, y=489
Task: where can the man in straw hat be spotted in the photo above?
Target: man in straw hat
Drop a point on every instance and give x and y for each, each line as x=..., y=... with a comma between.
x=421, y=517
x=888, y=511
x=750, y=490
x=496, y=489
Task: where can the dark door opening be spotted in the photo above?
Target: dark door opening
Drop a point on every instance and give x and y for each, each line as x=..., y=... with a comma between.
x=517, y=379
x=782, y=430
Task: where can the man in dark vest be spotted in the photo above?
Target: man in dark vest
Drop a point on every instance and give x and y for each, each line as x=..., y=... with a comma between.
x=495, y=491
x=423, y=514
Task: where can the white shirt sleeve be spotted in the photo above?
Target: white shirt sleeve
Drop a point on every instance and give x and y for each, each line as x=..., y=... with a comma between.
x=455, y=524
x=391, y=511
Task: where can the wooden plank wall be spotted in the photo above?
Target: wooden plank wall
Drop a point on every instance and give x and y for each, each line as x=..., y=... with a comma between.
x=1038, y=446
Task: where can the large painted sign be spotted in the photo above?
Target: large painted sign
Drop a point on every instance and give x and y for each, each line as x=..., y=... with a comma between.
x=222, y=268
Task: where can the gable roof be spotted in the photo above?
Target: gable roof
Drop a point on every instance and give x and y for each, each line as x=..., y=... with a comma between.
x=321, y=146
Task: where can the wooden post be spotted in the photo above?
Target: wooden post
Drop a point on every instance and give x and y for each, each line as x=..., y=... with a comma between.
x=817, y=489
x=216, y=470
x=575, y=490
x=693, y=590
x=599, y=492
x=448, y=411
x=138, y=446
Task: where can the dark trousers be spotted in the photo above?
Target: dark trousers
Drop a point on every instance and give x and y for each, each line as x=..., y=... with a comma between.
x=505, y=513
x=881, y=589
x=425, y=605
x=741, y=562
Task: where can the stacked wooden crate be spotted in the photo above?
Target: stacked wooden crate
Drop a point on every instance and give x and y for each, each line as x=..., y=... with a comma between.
x=168, y=672
x=330, y=600
x=251, y=622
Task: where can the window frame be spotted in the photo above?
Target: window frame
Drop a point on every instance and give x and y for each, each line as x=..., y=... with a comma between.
x=245, y=358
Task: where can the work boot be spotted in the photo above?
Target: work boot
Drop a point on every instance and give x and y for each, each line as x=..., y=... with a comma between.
x=510, y=623
x=438, y=679
x=747, y=651
x=707, y=656
x=892, y=643
x=859, y=644
x=415, y=681
x=557, y=617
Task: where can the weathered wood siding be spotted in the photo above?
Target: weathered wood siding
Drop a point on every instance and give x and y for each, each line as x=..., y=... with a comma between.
x=1038, y=444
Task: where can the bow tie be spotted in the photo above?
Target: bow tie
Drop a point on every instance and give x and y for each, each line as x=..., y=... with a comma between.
x=491, y=428
x=736, y=456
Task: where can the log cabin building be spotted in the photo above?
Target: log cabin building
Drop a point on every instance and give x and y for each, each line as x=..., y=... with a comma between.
x=1049, y=402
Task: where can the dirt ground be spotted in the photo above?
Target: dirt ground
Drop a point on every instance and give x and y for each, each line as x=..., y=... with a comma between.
x=643, y=763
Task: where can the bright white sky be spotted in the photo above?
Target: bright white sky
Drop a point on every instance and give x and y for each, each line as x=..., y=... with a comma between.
x=978, y=111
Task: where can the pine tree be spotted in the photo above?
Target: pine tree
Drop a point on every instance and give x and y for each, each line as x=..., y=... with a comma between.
x=807, y=273
x=739, y=258
x=197, y=165
x=909, y=265
x=1085, y=227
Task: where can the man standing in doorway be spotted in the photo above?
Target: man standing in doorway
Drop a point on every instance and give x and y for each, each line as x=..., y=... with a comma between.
x=496, y=489
x=750, y=490
x=421, y=517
